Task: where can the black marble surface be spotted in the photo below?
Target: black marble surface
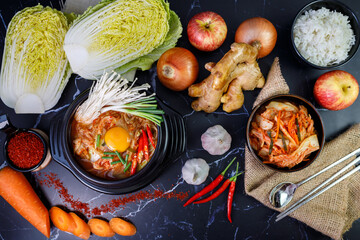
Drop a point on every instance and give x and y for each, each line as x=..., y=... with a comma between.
x=166, y=218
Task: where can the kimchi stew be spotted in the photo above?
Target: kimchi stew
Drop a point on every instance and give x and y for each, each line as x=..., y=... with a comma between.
x=115, y=145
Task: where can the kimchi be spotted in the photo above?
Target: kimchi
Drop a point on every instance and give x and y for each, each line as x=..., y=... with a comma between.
x=283, y=134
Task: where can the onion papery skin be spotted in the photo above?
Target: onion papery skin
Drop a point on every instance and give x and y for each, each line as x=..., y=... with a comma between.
x=177, y=69
x=260, y=30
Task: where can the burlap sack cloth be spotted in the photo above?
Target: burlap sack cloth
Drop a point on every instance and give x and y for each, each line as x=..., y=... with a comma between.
x=334, y=211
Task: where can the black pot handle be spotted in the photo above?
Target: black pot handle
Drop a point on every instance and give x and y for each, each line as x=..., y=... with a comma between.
x=56, y=146
x=177, y=132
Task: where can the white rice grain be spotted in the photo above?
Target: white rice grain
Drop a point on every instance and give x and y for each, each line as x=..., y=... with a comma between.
x=323, y=37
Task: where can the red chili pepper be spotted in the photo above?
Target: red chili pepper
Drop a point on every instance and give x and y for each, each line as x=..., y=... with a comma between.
x=230, y=200
x=150, y=136
x=146, y=145
x=231, y=195
x=140, y=151
x=216, y=193
x=219, y=191
x=133, y=165
x=211, y=185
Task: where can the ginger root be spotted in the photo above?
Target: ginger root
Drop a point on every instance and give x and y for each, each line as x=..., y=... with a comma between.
x=235, y=72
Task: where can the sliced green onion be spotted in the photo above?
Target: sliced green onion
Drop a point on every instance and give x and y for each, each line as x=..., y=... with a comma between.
x=271, y=142
x=121, y=159
x=116, y=162
x=126, y=158
x=109, y=153
x=298, y=129
x=107, y=157
x=150, y=116
x=97, y=144
x=283, y=141
x=127, y=166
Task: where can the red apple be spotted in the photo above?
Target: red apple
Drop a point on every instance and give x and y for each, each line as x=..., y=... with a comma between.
x=206, y=31
x=336, y=90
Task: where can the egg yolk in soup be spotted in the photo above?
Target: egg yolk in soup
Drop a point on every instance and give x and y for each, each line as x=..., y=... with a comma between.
x=117, y=139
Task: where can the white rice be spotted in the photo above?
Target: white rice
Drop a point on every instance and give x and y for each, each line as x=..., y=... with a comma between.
x=323, y=37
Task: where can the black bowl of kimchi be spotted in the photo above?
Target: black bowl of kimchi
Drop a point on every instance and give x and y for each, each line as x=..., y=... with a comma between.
x=285, y=133
x=170, y=144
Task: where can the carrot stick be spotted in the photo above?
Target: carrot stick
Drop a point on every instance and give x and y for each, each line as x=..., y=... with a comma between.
x=82, y=230
x=100, y=228
x=292, y=130
x=122, y=227
x=17, y=191
x=286, y=133
x=62, y=220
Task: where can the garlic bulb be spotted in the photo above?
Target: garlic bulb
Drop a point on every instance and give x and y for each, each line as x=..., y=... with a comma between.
x=195, y=171
x=216, y=140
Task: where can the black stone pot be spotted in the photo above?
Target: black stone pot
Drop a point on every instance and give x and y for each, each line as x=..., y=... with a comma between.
x=171, y=144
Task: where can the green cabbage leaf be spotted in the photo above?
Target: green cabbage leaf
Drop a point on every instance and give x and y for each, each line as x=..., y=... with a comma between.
x=121, y=35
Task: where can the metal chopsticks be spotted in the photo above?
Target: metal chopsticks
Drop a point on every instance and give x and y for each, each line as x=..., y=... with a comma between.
x=311, y=195
x=353, y=153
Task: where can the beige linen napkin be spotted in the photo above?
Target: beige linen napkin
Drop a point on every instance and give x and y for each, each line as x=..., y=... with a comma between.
x=334, y=211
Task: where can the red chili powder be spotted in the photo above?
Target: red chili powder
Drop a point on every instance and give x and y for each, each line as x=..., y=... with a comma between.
x=25, y=150
x=52, y=180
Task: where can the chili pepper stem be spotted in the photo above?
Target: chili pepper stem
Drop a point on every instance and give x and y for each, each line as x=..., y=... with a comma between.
x=228, y=166
x=236, y=174
x=234, y=177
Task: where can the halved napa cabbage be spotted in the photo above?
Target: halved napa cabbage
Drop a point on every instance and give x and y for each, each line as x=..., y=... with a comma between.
x=34, y=68
x=121, y=35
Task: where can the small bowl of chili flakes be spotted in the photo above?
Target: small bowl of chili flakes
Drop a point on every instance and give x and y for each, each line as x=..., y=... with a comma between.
x=26, y=150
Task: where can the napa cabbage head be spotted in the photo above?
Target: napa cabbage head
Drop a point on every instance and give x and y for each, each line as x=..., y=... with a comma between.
x=121, y=35
x=34, y=68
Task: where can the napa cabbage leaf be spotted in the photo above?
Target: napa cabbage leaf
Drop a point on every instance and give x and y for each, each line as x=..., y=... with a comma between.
x=34, y=69
x=121, y=35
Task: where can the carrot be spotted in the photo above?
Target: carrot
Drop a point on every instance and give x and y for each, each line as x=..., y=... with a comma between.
x=82, y=230
x=100, y=228
x=292, y=130
x=17, y=191
x=122, y=227
x=62, y=220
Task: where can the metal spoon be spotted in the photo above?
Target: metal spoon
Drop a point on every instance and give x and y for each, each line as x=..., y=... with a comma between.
x=282, y=193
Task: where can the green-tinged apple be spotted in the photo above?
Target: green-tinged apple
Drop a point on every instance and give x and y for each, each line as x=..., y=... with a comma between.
x=206, y=31
x=336, y=90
